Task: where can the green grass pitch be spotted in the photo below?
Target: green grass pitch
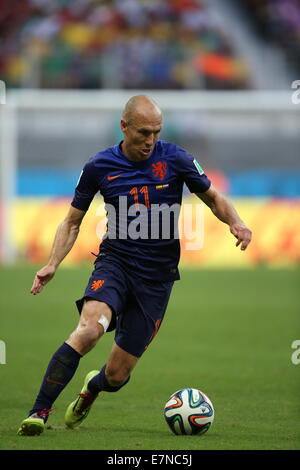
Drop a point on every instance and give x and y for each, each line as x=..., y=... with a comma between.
x=228, y=333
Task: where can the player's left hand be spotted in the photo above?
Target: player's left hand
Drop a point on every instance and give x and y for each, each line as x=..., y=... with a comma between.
x=42, y=277
x=242, y=233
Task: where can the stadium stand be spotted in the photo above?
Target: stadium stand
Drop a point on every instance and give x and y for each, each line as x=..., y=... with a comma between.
x=168, y=44
x=278, y=22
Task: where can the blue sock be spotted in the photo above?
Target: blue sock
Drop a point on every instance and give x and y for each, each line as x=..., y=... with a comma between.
x=99, y=383
x=60, y=371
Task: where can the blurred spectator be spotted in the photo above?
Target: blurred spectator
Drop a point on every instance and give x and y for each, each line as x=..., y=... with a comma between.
x=165, y=44
x=278, y=19
x=279, y=22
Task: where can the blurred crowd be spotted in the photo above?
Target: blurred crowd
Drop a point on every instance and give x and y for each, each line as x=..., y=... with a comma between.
x=155, y=44
x=279, y=21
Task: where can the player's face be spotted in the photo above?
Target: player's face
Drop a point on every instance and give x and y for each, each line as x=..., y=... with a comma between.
x=140, y=136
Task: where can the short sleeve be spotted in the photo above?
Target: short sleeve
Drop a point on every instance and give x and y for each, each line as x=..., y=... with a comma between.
x=87, y=187
x=192, y=173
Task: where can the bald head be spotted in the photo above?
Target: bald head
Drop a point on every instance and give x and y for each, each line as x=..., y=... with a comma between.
x=141, y=125
x=141, y=106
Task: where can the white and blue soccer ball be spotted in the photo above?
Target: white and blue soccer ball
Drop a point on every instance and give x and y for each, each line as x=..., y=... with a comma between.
x=189, y=411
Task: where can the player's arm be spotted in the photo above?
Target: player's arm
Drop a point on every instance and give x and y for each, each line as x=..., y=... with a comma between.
x=68, y=229
x=224, y=211
x=64, y=240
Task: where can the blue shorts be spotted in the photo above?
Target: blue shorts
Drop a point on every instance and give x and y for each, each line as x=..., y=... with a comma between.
x=138, y=305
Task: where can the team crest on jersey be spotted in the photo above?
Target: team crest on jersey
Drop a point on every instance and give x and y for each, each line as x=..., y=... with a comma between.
x=159, y=170
x=97, y=284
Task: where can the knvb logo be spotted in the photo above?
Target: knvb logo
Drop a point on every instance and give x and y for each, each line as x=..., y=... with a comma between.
x=296, y=94
x=295, y=358
x=2, y=352
x=2, y=92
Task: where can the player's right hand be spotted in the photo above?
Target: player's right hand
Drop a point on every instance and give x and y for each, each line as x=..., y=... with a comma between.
x=42, y=277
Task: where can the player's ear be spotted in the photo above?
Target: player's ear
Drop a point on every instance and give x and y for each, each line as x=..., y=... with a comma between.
x=123, y=125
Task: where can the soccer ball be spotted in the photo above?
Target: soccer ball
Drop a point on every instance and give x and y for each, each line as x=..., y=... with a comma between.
x=189, y=411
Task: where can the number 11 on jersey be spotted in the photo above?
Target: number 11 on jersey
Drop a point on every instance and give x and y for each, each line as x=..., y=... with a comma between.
x=135, y=192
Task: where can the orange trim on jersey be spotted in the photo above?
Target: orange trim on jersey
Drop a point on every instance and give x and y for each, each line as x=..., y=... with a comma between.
x=157, y=324
x=113, y=177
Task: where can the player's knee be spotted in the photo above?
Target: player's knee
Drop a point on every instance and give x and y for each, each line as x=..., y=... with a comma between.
x=90, y=332
x=85, y=337
x=94, y=320
x=97, y=314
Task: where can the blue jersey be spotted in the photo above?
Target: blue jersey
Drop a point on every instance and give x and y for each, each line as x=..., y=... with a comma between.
x=138, y=197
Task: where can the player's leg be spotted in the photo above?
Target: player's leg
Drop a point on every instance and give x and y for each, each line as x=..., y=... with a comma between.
x=138, y=321
x=94, y=320
x=111, y=378
x=115, y=373
x=136, y=328
x=107, y=284
x=64, y=363
x=119, y=366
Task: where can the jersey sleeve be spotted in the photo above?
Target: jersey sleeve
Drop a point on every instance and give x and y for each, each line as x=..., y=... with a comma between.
x=192, y=173
x=87, y=187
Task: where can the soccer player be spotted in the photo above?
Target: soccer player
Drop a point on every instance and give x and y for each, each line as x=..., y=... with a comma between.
x=132, y=280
